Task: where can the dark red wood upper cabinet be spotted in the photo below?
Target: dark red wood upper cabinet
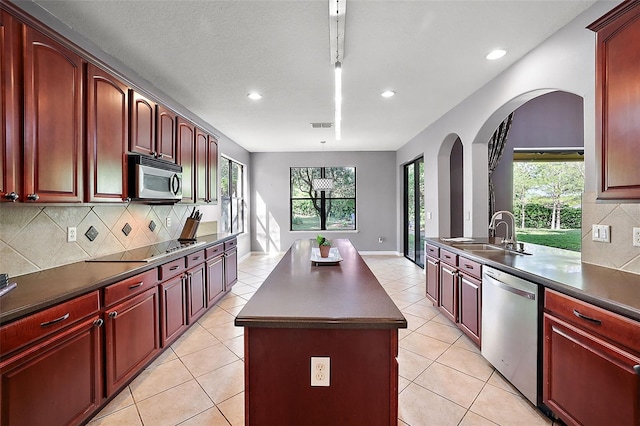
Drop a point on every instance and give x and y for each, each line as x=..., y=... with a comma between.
x=617, y=101
x=212, y=169
x=165, y=133
x=10, y=77
x=143, y=125
x=53, y=125
x=107, y=136
x=202, y=145
x=186, y=157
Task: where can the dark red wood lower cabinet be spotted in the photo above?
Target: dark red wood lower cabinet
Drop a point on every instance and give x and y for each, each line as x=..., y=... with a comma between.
x=469, y=316
x=449, y=292
x=132, y=337
x=196, y=293
x=215, y=280
x=433, y=280
x=57, y=382
x=587, y=381
x=173, y=309
x=363, y=377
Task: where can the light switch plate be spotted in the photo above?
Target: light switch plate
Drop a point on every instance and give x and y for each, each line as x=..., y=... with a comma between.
x=601, y=233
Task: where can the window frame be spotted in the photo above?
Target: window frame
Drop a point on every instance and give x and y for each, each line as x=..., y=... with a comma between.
x=323, y=200
x=232, y=201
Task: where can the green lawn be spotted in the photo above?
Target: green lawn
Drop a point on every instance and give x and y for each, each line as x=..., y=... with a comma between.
x=568, y=239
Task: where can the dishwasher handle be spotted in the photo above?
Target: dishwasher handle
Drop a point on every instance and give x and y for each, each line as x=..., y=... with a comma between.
x=507, y=287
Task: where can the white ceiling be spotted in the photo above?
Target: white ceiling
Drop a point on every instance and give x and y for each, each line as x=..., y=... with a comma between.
x=209, y=54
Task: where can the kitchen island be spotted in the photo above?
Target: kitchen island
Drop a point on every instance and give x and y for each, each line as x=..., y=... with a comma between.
x=338, y=311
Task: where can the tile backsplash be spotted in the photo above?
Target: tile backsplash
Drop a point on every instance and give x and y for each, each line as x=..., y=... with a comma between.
x=33, y=238
x=620, y=252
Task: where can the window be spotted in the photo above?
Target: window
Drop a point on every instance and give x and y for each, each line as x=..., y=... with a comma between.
x=323, y=210
x=547, y=189
x=232, y=194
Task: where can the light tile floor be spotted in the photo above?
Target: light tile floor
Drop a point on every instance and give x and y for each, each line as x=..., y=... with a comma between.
x=443, y=380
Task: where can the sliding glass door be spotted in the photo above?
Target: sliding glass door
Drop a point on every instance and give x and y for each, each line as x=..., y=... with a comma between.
x=414, y=211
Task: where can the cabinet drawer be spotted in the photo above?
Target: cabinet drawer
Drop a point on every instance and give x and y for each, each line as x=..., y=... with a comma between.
x=433, y=251
x=449, y=257
x=171, y=269
x=214, y=251
x=230, y=244
x=195, y=259
x=469, y=267
x=130, y=287
x=609, y=325
x=27, y=330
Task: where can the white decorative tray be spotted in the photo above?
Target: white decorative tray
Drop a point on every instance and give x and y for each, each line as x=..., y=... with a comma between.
x=334, y=256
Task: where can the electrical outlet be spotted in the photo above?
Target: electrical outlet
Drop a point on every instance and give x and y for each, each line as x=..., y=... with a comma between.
x=601, y=233
x=168, y=221
x=636, y=237
x=320, y=370
x=71, y=234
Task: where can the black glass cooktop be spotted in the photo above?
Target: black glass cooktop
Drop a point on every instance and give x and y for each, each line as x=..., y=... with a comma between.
x=147, y=253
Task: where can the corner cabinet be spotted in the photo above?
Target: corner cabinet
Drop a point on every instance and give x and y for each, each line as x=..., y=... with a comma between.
x=53, y=120
x=10, y=108
x=618, y=102
x=591, y=363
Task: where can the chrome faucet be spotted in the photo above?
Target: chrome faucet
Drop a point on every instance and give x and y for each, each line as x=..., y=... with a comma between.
x=508, y=241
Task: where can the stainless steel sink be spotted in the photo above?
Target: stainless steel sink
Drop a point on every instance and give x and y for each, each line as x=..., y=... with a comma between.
x=485, y=248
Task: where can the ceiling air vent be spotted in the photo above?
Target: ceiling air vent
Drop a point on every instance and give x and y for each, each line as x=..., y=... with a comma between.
x=321, y=125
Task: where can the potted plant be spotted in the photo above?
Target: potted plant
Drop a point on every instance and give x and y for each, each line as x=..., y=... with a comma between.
x=324, y=245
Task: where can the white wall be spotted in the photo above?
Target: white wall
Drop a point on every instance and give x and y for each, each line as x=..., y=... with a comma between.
x=375, y=198
x=565, y=61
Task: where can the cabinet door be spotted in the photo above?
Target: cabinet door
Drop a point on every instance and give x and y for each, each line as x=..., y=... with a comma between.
x=186, y=158
x=202, y=144
x=617, y=100
x=230, y=268
x=165, y=133
x=57, y=382
x=11, y=81
x=587, y=381
x=215, y=280
x=470, y=307
x=212, y=169
x=53, y=95
x=173, y=312
x=107, y=136
x=143, y=125
x=196, y=293
x=449, y=292
x=433, y=280
x=132, y=337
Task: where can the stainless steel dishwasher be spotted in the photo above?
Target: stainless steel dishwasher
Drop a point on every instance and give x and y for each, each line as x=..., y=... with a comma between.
x=510, y=308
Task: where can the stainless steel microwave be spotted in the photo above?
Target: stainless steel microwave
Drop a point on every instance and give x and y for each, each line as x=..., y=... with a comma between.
x=154, y=180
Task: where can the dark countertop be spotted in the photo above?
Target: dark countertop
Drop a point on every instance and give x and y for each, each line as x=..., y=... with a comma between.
x=298, y=294
x=563, y=270
x=40, y=290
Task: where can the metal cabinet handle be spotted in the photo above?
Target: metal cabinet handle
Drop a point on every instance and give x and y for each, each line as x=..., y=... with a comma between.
x=468, y=266
x=57, y=320
x=126, y=200
x=98, y=322
x=113, y=314
x=584, y=317
x=131, y=287
x=196, y=258
x=11, y=196
x=33, y=197
x=173, y=268
x=636, y=368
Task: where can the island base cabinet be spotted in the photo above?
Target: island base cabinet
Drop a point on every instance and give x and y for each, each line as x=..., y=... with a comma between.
x=588, y=381
x=57, y=382
x=363, y=379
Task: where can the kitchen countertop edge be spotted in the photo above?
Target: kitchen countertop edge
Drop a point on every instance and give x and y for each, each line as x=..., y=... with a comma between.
x=19, y=305
x=621, y=307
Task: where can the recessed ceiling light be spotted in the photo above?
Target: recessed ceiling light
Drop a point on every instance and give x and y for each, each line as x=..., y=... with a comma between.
x=387, y=93
x=254, y=95
x=496, y=54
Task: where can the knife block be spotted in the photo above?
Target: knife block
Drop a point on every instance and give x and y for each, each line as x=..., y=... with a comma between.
x=189, y=230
